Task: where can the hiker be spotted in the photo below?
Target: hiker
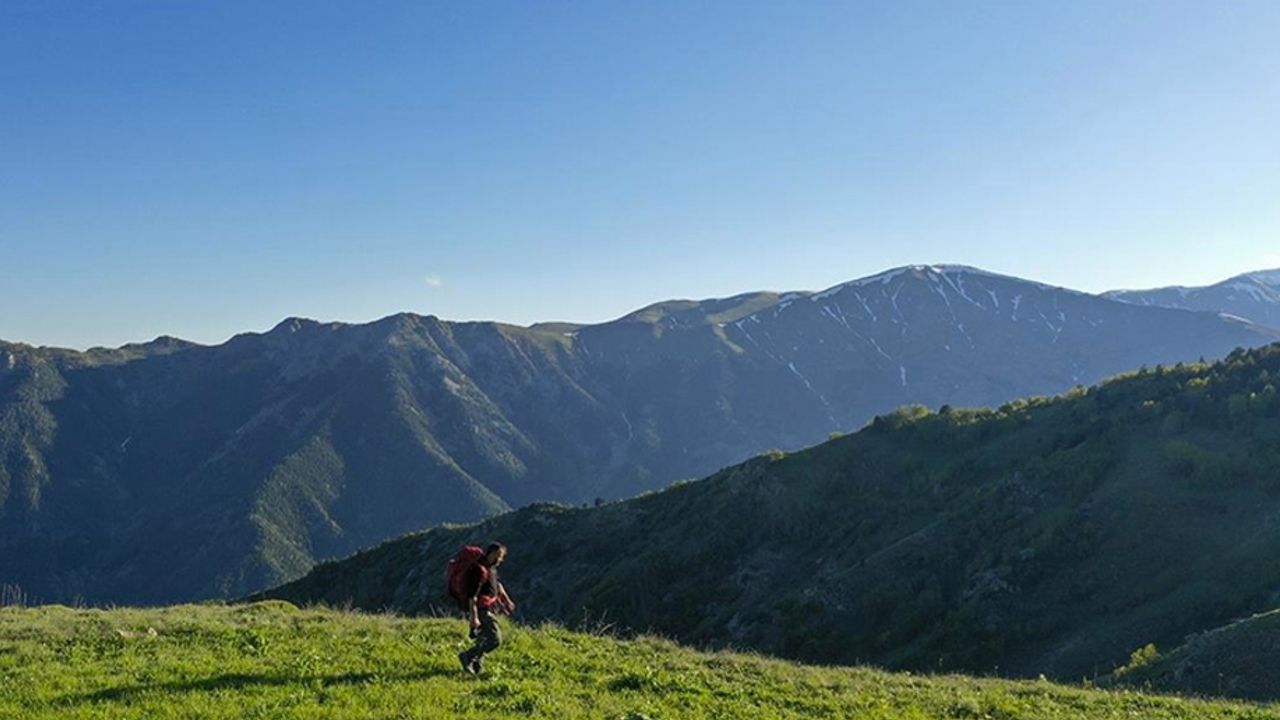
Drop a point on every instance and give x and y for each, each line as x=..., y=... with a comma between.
x=481, y=598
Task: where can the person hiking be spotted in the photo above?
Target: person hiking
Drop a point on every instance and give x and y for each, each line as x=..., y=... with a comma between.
x=485, y=596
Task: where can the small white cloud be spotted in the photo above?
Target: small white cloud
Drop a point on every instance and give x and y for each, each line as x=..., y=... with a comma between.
x=434, y=280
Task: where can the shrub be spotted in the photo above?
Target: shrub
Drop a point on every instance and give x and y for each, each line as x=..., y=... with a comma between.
x=1144, y=655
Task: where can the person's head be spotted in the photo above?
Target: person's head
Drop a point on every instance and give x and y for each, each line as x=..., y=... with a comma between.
x=495, y=554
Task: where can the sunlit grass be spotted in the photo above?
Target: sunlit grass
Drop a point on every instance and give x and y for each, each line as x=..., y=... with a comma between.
x=271, y=660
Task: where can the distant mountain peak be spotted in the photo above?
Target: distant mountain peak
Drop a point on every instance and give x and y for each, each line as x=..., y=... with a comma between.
x=1266, y=277
x=934, y=272
x=1254, y=296
x=293, y=324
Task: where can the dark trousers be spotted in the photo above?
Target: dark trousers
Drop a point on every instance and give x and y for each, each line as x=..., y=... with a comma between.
x=488, y=638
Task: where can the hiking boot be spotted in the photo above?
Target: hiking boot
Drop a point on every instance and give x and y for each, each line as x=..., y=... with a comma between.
x=468, y=666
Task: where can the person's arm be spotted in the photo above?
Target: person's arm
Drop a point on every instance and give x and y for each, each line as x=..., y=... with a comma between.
x=474, y=604
x=506, y=599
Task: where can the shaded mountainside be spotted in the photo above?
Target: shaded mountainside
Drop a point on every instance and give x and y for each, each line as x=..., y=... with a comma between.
x=1238, y=660
x=1253, y=296
x=213, y=470
x=271, y=660
x=171, y=471
x=1046, y=536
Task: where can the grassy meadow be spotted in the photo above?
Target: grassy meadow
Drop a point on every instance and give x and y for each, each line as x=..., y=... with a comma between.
x=272, y=660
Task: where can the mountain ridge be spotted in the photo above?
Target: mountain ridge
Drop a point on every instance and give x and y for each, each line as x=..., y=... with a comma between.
x=1254, y=296
x=1048, y=536
x=241, y=464
x=767, y=298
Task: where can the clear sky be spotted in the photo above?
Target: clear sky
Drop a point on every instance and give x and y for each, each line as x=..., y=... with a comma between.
x=204, y=168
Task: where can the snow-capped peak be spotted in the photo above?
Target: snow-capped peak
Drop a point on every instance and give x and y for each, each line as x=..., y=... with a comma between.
x=944, y=270
x=881, y=278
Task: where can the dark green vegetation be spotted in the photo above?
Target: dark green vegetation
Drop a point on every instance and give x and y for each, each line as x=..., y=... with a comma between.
x=1050, y=535
x=169, y=471
x=1238, y=660
x=274, y=661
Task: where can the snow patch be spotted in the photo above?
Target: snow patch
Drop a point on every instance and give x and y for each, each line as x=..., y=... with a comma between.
x=894, y=300
x=866, y=307
x=949, y=272
x=833, y=316
x=1256, y=293
x=979, y=272
x=1235, y=318
x=881, y=278
x=1057, y=329
x=937, y=288
x=785, y=301
x=958, y=285
x=879, y=349
x=816, y=394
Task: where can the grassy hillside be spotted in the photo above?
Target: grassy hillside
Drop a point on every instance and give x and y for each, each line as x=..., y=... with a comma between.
x=1048, y=536
x=272, y=660
x=1237, y=660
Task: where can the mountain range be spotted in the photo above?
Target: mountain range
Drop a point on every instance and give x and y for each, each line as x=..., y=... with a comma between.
x=168, y=471
x=1050, y=536
x=1254, y=296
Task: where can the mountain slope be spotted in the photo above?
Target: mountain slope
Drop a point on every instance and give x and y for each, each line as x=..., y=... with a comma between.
x=1047, y=536
x=275, y=661
x=791, y=373
x=1237, y=660
x=1253, y=296
x=956, y=335
x=171, y=471
x=704, y=312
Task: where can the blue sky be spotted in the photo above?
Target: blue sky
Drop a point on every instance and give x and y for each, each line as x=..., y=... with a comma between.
x=205, y=168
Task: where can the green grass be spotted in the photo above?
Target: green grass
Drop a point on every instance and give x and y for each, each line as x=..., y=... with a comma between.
x=271, y=660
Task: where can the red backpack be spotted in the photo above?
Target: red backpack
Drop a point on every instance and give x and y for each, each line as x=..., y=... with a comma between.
x=455, y=575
